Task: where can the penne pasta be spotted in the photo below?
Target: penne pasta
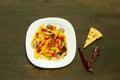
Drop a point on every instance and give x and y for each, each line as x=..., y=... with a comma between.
x=49, y=43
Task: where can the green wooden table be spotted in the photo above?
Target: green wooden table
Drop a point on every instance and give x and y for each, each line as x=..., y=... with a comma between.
x=17, y=15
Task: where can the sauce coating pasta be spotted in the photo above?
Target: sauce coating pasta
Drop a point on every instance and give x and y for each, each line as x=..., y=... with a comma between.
x=49, y=42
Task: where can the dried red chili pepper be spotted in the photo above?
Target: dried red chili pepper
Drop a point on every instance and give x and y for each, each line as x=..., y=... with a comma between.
x=95, y=53
x=85, y=62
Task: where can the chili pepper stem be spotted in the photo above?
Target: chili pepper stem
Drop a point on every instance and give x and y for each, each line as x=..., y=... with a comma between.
x=91, y=70
x=92, y=60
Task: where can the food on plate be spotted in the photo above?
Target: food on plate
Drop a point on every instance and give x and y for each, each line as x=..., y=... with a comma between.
x=49, y=42
x=85, y=61
x=95, y=53
x=93, y=35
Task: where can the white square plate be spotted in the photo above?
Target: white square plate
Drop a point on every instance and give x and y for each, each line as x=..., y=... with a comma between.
x=70, y=39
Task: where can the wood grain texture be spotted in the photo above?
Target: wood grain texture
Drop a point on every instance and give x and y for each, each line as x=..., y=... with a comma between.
x=17, y=15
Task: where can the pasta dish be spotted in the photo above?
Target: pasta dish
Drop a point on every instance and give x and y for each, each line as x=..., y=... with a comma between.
x=49, y=42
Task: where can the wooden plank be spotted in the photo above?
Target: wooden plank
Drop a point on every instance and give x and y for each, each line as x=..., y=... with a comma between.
x=17, y=15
